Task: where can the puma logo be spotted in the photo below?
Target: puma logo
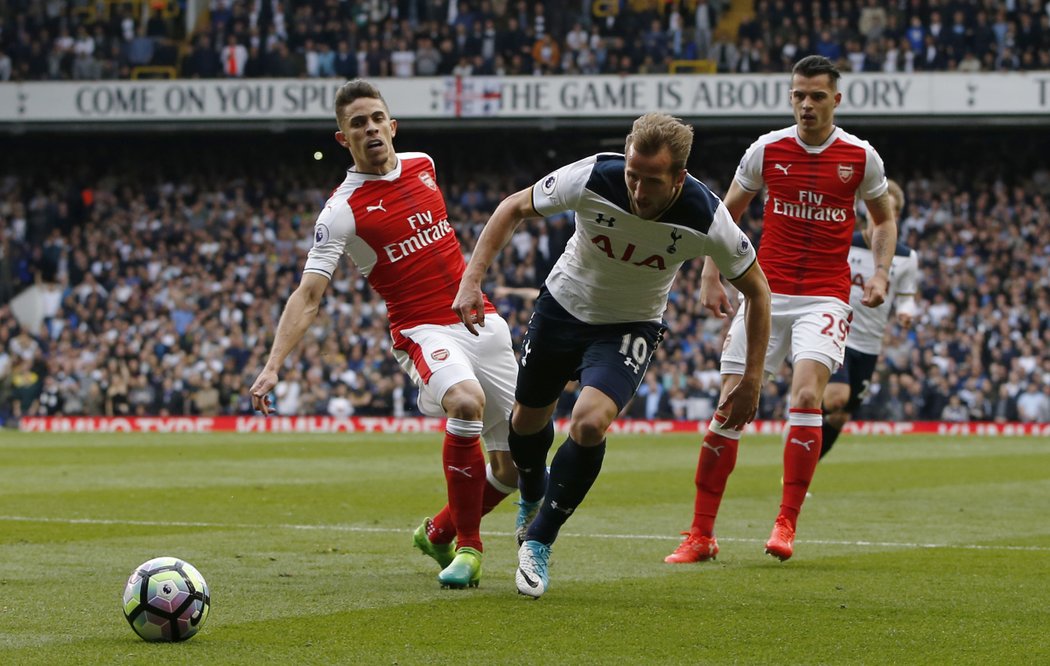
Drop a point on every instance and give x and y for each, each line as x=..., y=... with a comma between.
x=716, y=449
x=805, y=445
x=782, y=168
x=465, y=471
x=369, y=209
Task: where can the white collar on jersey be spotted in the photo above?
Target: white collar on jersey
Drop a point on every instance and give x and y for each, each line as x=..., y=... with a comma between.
x=816, y=148
x=393, y=174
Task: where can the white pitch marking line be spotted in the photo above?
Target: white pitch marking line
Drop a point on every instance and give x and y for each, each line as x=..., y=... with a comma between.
x=391, y=530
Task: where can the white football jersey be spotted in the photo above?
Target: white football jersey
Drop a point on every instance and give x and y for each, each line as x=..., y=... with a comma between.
x=869, y=324
x=619, y=267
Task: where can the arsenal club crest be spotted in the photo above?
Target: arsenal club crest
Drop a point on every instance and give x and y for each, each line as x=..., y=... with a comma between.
x=429, y=182
x=439, y=354
x=845, y=172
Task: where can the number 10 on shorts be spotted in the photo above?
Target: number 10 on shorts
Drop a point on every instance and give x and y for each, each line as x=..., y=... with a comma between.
x=634, y=352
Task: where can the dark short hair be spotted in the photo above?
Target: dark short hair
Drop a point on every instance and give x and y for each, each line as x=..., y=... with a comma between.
x=816, y=65
x=351, y=91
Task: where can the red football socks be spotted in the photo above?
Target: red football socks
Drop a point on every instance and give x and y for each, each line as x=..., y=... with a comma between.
x=465, y=477
x=717, y=460
x=443, y=530
x=801, y=453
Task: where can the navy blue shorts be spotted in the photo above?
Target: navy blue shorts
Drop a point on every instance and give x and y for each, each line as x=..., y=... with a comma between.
x=856, y=370
x=559, y=348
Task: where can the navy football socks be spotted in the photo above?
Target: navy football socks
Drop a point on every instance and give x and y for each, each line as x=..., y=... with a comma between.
x=572, y=474
x=830, y=434
x=530, y=457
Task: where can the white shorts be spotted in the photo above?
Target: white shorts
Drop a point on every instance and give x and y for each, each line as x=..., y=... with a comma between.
x=811, y=327
x=439, y=357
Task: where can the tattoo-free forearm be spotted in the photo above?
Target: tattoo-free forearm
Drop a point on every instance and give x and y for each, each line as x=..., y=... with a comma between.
x=757, y=323
x=496, y=234
x=299, y=313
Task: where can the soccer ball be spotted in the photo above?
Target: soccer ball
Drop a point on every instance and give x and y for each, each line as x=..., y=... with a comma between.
x=166, y=599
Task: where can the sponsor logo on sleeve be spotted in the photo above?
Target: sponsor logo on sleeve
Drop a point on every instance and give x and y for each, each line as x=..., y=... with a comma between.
x=321, y=234
x=548, y=184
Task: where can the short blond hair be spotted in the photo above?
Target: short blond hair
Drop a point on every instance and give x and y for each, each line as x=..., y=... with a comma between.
x=655, y=131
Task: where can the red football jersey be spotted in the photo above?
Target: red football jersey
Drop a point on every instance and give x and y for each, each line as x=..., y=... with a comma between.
x=395, y=229
x=809, y=211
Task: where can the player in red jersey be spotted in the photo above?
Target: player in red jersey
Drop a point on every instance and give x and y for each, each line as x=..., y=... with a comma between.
x=389, y=217
x=813, y=172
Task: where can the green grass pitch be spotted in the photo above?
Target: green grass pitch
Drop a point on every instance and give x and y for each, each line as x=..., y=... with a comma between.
x=911, y=550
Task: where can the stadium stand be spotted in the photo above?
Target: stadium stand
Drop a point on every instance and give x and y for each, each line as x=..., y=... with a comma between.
x=122, y=39
x=158, y=281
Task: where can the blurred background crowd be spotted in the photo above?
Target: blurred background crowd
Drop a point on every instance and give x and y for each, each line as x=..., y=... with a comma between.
x=162, y=280
x=121, y=39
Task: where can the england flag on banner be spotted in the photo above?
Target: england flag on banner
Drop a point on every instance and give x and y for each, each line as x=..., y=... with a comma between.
x=472, y=97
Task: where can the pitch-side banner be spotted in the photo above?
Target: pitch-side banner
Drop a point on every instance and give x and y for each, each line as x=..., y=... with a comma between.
x=522, y=97
x=391, y=425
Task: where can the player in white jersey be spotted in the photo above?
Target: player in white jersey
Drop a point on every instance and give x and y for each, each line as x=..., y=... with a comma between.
x=598, y=319
x=389, y=217
x=848, y=387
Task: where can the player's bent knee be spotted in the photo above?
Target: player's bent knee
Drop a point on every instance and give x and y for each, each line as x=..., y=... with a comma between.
x=834, y=404
x=464, y=401
x=806, y=398
x=838, y=419
x=836, y=397
x=529, y=420
x=588, y=429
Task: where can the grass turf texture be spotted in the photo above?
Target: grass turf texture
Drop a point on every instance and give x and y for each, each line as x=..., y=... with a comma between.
x=911, y=550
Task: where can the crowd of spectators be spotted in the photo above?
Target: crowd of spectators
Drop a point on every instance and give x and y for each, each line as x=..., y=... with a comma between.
x=102, y=39
x=162, y=280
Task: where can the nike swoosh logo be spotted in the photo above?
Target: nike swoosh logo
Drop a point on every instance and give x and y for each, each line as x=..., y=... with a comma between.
x=532, y=583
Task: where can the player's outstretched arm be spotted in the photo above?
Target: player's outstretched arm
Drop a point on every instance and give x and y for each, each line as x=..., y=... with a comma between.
x=883, y=223
x=299, y=313
x=469, y=304
x=713, y=296
x=741, y=405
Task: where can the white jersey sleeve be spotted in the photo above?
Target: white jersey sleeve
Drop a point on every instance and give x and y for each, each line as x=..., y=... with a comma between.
x=874, y=184
x=562, y=189
x=332, y=231
x=728, y=245
x=749, y=171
